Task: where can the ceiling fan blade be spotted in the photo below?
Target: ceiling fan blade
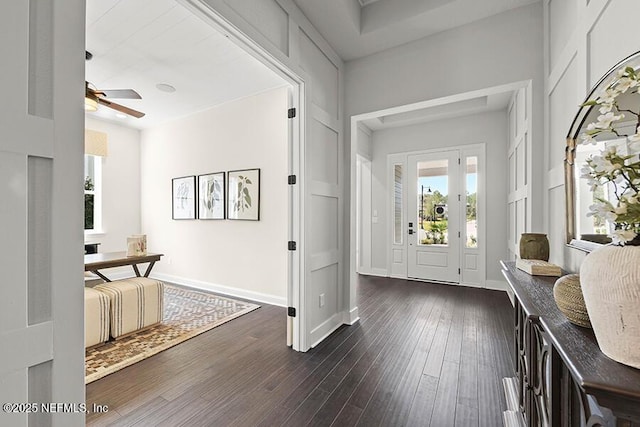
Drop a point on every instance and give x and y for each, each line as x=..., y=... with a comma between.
x=120, y=93
x=118, y=107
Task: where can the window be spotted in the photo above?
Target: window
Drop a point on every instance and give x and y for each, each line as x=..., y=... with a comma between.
x=397, y=204
x=92, y=193
x=471, y=231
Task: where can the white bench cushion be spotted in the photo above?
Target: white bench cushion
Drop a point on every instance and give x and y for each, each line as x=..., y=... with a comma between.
x=135, y=303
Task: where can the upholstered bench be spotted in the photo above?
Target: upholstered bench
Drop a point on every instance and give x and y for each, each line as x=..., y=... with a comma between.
x=96, y=317
x=136, y=303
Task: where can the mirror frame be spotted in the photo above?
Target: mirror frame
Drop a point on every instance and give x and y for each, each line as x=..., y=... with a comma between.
x=572, y=240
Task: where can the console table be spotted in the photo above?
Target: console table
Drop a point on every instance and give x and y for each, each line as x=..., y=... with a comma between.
x=99, y=261
x=562, y=378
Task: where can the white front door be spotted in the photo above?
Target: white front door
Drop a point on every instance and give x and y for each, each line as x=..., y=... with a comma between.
x=433, y=216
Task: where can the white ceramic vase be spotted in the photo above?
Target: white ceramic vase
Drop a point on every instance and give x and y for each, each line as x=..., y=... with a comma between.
x=610, y=279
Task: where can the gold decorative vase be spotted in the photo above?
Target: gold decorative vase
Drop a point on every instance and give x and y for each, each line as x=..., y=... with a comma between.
x=610, y=279
x=534, y=246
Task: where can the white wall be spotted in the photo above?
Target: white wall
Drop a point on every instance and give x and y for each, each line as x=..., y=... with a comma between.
x=297, y=49
x=243, y=258
x=501, y=49
x=489, y=128
x=583, y=40
x=120, y=186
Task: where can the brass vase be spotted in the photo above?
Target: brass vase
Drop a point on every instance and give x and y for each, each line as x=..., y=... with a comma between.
x=534, y=246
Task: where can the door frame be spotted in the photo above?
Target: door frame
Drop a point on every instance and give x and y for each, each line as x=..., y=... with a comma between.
x=296, y=325
x=479, y=150
x=363, y=216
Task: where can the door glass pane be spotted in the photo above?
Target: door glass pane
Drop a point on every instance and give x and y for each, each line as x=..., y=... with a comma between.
x=471, y=173
x=397, y=204
x=433, y=195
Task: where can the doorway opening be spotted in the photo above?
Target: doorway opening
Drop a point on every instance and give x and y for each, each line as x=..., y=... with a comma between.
x=235, y=47
x=465, y=122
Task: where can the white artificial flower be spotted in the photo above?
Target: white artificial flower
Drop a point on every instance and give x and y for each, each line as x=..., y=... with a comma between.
x=602, y=164
x=620, y=237
x=602, y=210
x=608, y=96
x=595, y=162
x=621, y=210
x=585, y=171
x=605, y=108
x=605, y=120
x=588, y=139
x=625, y=83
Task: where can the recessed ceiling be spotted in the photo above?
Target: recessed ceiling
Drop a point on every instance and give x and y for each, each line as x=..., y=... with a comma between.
x=441, y=111
x=140, y=44
x=356, y=28
x=366, y=2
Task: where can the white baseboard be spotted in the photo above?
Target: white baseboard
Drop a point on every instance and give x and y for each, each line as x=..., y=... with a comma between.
x=378, y=272
x=224, y=290
x=496, y=285
x=351, y=317
x=325, y=329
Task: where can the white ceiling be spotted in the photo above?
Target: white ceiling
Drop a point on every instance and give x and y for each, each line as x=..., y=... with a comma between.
x=357, y=28
x=140, y=43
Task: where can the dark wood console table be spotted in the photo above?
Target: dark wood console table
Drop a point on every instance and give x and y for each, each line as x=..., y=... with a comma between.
x=562, y=377
x=99, y=261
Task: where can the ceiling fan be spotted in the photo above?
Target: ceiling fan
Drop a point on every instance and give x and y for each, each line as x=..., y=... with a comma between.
x=94, y=96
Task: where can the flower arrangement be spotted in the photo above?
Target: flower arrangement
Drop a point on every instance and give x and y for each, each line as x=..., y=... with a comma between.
x=613, y=169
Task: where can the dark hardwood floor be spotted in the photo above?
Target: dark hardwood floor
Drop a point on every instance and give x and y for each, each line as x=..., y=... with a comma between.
x=421, y=355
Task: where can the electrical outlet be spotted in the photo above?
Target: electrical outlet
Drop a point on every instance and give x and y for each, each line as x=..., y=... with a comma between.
x=321, y=300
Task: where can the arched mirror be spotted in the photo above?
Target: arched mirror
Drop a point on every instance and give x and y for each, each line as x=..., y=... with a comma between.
x=586, y=231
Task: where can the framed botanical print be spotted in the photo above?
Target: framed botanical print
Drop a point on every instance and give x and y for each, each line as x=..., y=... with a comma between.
x=243, y=194
x=183, y=192
x=211, y=198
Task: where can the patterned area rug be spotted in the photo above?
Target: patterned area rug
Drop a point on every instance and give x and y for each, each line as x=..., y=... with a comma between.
x=187, y=313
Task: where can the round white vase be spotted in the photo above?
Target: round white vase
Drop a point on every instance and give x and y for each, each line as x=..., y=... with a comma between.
x=610, y=279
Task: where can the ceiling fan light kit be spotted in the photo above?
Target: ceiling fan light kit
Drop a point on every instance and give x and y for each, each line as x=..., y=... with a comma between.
x=90, y=104
x=94, y=96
